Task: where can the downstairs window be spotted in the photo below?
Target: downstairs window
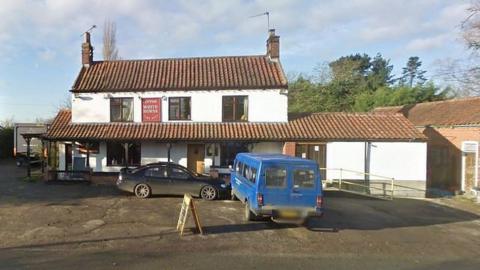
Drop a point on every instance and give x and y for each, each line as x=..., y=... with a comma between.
x=116, y=154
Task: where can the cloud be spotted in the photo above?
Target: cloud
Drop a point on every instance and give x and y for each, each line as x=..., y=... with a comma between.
x=428, y=43
x=149, y=28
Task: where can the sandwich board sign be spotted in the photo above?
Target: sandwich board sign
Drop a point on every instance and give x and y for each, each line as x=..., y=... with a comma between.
x=188, y=205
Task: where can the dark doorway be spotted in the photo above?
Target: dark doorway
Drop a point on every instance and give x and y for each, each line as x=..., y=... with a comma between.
x=68, y=157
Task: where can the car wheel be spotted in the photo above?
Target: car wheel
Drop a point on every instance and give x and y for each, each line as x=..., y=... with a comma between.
x=249, y=215
x=142, y=191
x=208, y=193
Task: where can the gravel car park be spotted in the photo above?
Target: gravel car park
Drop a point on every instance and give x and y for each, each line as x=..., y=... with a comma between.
x=79, y=226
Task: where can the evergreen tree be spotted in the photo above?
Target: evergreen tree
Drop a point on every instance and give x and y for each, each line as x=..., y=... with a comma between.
x=360, y=83
x=381, y=72
x=412, y=74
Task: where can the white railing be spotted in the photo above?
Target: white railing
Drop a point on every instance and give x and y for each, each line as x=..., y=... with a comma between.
x=369, y=187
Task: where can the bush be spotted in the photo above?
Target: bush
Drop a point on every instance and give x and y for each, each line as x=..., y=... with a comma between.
x=6, y=142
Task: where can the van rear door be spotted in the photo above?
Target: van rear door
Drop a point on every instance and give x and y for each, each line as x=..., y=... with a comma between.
x=276, y=190
x=304, y=185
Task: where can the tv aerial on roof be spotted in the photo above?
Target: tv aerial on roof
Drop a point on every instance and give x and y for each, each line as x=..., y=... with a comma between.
x=267, y=14
x=89, y=30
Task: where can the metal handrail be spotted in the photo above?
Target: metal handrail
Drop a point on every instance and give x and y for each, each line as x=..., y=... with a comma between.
x=340, y=179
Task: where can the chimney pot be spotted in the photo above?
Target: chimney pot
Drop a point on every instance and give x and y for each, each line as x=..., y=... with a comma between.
x=87, y=51
x=273, y=45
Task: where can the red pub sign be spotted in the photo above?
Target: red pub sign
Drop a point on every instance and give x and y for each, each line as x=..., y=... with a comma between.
x=151, y=110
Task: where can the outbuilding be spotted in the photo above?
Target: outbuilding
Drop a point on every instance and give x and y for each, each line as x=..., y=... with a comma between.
x=453, y=131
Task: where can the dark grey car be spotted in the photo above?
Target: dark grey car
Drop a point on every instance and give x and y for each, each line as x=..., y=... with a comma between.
x=170, y=178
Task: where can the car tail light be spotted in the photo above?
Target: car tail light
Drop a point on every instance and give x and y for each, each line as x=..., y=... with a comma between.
x=259, y=199
x=319, y=201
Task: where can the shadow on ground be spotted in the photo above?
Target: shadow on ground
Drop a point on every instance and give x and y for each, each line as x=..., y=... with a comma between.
x=345, y=211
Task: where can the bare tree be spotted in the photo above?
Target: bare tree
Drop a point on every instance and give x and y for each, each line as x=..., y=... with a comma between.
x=7, y=122
x=65, y=103
x=471, y=26
x=110, y=51
x=464, y=74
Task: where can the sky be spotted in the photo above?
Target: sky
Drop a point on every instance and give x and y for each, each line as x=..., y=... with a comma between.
x=40, y=39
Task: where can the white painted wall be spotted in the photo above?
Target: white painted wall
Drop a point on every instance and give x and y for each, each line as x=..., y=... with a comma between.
x=345, y=155
x=400, y=160
x=206, y=106
x=61, y=156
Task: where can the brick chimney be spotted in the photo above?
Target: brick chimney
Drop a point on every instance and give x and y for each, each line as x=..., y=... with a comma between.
x=87, y=51
x=273, y=45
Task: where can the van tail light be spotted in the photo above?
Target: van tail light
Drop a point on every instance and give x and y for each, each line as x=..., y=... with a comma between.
x=319, y=201
x=259, y=199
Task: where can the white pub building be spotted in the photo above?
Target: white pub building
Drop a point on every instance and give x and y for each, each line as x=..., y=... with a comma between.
x=200, y=112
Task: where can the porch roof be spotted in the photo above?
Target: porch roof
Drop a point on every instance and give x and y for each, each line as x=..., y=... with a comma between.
x=300, y=127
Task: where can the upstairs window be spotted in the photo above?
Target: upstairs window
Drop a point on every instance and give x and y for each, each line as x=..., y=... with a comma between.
x=121, y=109
x=179, y=108
x=235, y=108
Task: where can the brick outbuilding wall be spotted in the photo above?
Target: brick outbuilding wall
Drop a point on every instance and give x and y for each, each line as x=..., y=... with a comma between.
x=289, y=148
x=444, y=157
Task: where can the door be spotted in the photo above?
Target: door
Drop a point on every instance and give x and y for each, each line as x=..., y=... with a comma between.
x=183, y=182
x=68, y=157
x=469, y=165
x=276, y=189
x=304, y=186
x=158, y=180
x=317, y=152
x=196, y=158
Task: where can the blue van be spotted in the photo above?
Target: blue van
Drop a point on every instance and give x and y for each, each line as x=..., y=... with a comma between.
x=277, y=186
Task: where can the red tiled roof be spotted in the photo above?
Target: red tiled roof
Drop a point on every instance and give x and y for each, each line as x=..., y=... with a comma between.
x=202, y=73
x=308, y=127
x=464, y=111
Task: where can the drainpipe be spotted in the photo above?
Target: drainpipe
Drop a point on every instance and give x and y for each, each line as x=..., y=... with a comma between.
x=368, y=146
x=169, y=146
x=125, y=145
x=28, y=157
x=87, y=146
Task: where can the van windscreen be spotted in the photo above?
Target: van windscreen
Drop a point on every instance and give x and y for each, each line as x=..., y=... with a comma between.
x=304, y=178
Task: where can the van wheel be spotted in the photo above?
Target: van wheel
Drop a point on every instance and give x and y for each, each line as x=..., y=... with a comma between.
x=249, y=215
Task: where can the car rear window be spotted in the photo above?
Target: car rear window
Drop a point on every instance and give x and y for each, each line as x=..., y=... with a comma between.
x=304, y=178
x=276, y=177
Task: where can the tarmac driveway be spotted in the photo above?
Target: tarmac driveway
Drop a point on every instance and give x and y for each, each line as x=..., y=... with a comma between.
x=85, y=226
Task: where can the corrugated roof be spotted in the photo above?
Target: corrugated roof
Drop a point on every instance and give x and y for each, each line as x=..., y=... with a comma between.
x=308, y=127
x=464, y=111
x=201, y=73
